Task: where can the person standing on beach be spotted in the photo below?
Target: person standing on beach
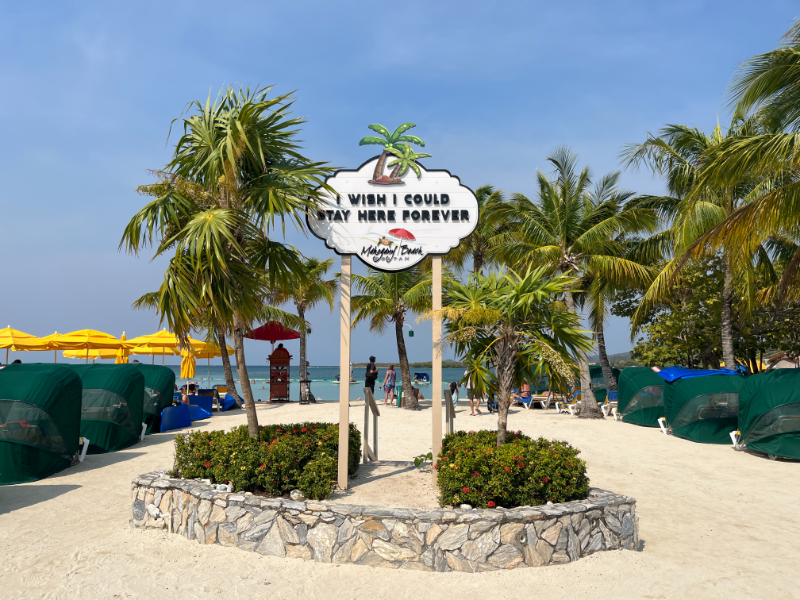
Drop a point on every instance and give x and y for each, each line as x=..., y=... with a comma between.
x=472, y=396
x=371, y=375
x=454, y=393
x=389, y=383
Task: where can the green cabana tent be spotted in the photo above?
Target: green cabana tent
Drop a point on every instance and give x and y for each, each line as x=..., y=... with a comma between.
x=703, y=409
x=769, y=413
x=113, y=402
x=641, y=396
x=159, y=384
x=40, y=421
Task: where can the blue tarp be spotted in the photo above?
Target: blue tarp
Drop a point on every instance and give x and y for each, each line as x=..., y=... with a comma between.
x=227, y=402
x=175, y=417
x=674, y=373
x=198, y=414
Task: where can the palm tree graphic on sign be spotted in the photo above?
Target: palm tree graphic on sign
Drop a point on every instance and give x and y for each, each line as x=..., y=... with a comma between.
x=397, y=144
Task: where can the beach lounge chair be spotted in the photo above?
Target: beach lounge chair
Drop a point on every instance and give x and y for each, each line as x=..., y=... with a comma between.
x=610, y=405
x=175, y=417
x=573, y=407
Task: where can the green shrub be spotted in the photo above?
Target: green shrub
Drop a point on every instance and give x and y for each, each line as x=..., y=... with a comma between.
x=275, y=463
x=471, y=469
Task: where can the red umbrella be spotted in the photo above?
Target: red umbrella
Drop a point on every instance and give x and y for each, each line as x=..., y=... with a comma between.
x=272, y=332
x=403, y=234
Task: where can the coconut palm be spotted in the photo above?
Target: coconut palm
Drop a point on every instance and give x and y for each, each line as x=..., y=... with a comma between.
x=766, y=86
x=574, y=230
x=509, y=327
x=386, y=298
x=680, y=154
x=236, y=173
x=390, y=141
x=481, y=244
x=406, y=158
x=306, y=292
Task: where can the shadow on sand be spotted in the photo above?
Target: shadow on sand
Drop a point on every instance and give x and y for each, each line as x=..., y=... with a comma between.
x=22, y=495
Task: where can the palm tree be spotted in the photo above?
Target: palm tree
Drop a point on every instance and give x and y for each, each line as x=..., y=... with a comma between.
x=306, y=292
x=767, y=87
x=406, y=158
x=513, y=323
x=240, y=160
x=386, y=298
x=390, y=141
x=680, y=155
x=575, y=231
x=481, y=244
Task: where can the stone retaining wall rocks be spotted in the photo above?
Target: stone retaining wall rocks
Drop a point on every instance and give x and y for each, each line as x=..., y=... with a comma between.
x=425, y=540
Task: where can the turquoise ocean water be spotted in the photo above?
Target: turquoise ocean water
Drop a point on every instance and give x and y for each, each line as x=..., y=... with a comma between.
x=321, y=378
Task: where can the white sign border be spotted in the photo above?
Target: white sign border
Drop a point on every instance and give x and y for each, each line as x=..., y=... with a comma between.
x=372, y=265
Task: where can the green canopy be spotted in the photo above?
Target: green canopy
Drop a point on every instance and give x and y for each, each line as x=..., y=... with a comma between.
x=159, y=384
x=769, y=413
x=113, y=403
x=40, y=421
x=641, y=396
x=703, y=409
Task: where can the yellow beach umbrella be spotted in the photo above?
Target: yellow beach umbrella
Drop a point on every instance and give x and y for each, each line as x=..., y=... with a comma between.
x=84, y=339
x=162, y=352
x=123, y=352
x=160, y=340
x=188, y=365
x=102, y=354
x=209, y=352
x=17, y=340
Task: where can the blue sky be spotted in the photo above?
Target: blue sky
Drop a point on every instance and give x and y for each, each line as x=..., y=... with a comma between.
x=90, y=89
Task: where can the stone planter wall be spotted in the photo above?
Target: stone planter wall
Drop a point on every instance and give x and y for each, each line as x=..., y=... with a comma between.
x=426, y=540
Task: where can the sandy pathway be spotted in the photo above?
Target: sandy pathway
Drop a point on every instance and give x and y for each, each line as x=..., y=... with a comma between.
x=715, y=524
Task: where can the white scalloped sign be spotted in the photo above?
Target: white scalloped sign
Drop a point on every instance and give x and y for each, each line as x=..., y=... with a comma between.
x=392, y=223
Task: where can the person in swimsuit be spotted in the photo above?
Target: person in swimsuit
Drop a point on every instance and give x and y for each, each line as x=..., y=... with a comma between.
x=389, y=383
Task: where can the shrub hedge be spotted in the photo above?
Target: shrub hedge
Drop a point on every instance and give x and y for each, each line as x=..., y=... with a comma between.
x=471, y=469
x=284, y=457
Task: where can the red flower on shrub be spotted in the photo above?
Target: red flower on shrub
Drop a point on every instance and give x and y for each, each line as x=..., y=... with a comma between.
x=295, y=431
x=491, y=504
x=208, y=464
x=508, y=470
x=304, y=429
x=544, y=479
x=262, y=467
x=520, y=465
x=465, y=490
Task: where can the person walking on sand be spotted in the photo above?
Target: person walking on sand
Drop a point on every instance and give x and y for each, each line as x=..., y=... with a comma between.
x=389, y=383
x=472, y=395
x=371, y=375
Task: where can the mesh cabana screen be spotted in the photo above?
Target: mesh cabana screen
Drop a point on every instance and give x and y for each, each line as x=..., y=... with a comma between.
x=599, y=382
x=113, y=403
x=641, y=396
x=703, y=409
x=159, y=384
x=769, y=413
x=40, y=417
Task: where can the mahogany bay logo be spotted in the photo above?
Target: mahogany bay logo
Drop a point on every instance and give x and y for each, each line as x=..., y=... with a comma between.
x=392, y=212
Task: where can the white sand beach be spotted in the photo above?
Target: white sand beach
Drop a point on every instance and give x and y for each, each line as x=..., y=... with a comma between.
x=714, y=523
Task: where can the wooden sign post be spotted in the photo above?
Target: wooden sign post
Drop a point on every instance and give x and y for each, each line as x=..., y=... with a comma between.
x=344, y=371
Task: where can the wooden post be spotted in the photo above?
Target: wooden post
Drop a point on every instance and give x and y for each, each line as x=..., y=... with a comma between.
x=436, y=387
x=344, y=371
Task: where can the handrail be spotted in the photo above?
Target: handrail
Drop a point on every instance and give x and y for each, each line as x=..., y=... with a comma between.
x=450, y=411
x=370, y=454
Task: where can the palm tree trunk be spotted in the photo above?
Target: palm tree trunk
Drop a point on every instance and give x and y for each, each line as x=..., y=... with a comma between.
x=506, y=358
x=608, y=374
x=409, y=401
x=395, y=171
x=379, y=167
x=244, y=379
x=477, y=263
x=589, y=408
x=303, y=373
x=226, y=363
x=725, y=318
